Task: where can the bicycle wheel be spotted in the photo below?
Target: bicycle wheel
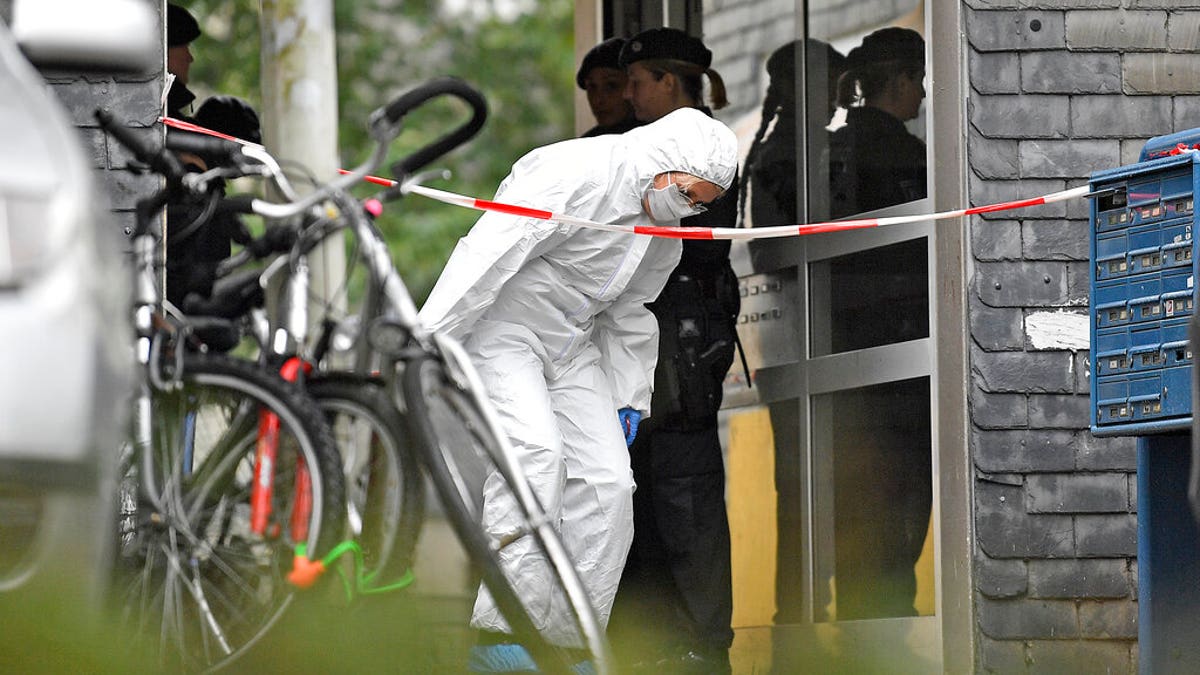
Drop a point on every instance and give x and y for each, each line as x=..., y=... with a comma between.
x=201, y=571
x=385, y=499
x=462, y=451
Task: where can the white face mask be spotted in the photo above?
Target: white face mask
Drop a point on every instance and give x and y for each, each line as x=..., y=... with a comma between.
x=669, y=203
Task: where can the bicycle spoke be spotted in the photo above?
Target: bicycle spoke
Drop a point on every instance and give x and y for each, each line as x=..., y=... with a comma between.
x=197, y=594
x=217, y=559
x=172, y=607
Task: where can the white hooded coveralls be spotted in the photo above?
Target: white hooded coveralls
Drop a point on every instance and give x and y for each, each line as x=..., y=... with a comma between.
x=554, y=318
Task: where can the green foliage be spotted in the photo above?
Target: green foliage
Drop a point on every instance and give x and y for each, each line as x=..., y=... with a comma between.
x=227, y=52
x=522, y=60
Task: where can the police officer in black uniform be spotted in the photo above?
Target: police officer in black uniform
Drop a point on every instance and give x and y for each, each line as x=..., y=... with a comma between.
x=182, y=29
x=674, y=605
x=602, y=77
x=769, y=189
x=195, y=246
x=874, y=161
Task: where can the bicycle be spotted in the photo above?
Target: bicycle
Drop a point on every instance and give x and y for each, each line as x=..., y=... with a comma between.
x=384, y=489
x=229, y=471
x=433, y=384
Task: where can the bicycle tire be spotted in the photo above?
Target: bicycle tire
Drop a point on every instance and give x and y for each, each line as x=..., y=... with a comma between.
x=385, y=496
x=237, y=588
x=460, y=451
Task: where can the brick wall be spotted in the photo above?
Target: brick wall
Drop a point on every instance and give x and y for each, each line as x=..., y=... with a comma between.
x=132, y=99
x=1058, y=89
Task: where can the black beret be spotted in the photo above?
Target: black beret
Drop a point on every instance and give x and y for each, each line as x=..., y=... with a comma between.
x=181, y=26
x=230, y=115
x=781, y=65
x=603, y=55
x=665, y=43
x=888, y=44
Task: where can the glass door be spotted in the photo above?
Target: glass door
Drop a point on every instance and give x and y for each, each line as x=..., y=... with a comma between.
x=840, y=333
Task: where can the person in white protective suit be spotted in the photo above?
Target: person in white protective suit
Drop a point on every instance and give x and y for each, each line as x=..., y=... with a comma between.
x=554, y=318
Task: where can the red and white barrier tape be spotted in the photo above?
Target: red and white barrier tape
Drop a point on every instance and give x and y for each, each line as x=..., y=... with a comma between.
x=184, y=125
x=739, y=233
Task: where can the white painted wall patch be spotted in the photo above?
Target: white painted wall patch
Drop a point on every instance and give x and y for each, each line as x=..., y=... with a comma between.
x=1057, y=330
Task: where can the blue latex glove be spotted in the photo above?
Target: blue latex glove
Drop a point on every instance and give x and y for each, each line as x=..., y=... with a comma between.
x=630, y=419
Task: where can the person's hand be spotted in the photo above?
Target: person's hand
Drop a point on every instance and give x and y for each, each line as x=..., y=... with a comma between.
x=630, y=419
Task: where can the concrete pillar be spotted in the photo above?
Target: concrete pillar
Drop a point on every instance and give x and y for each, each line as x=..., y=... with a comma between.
x=299, y=108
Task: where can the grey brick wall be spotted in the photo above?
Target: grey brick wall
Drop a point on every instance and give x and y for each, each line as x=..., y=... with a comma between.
x=1059, y=88
x=132, y=99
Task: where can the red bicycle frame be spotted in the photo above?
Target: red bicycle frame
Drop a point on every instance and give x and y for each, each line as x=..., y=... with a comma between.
x=266, y=450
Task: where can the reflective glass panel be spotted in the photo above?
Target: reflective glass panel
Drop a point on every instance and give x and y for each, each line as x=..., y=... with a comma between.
x=872, y=491
x=869, y=298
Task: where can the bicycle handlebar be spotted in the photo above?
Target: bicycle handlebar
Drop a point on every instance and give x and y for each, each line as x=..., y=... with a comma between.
x=235, y=292
x=220, y=150
x=394, y=112
x=278, y=239
x=158, y=158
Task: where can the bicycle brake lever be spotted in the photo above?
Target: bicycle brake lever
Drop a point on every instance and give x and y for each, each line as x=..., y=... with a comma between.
x=422, y=176
x=401, y=187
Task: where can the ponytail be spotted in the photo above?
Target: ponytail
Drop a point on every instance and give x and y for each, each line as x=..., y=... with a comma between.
x=688, y=75
x=770, y=110
x=716, y=89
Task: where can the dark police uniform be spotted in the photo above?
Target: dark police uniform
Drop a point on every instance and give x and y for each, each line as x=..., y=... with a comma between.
x=676, y=590
x=195, y=249
x=874, y=162
x=675, y=602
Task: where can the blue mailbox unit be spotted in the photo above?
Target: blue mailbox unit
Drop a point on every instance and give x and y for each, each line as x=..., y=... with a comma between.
x=1143, y=298
x=1143, y=294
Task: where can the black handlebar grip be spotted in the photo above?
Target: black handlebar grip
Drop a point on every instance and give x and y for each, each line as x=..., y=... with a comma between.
x=158, y=158
x=397, y=109
x=230, y=298
x=216, y=149
x=217, y=334
x=444, y=86
x=236, y=204
x=278, y=239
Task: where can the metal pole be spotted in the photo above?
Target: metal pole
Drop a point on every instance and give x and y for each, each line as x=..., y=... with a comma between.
x=299, y=101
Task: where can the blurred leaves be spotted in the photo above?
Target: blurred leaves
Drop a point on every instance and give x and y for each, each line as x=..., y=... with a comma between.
x=517, y=52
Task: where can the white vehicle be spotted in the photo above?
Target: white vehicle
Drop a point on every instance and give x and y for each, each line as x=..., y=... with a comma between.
x=66, y=361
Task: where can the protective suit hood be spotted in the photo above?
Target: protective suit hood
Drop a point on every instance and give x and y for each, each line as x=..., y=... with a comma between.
x=698, y=144
x=603, y=177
